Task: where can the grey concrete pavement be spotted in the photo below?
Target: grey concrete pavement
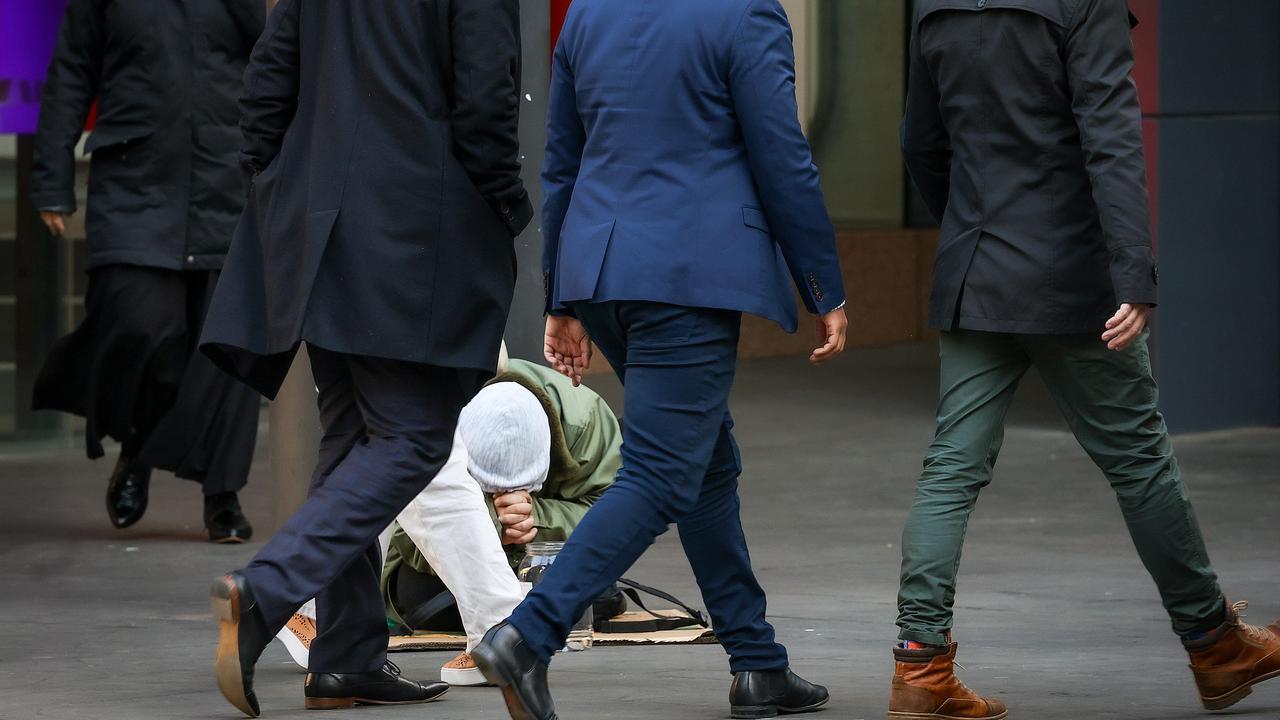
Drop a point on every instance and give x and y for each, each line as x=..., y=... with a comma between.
x=1056, y=615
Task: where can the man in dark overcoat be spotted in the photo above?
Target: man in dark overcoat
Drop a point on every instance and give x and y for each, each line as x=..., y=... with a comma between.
x=382, y=144
x=1023, y=133
x=164, y=196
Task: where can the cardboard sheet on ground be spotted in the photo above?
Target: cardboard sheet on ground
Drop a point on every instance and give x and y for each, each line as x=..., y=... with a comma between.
x=695, y=635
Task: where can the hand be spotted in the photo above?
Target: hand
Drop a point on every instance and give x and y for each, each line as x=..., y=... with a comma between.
x=831, y=331
x=1125, y=325
x=515, y=514
x=55, y=221
x=567, y=347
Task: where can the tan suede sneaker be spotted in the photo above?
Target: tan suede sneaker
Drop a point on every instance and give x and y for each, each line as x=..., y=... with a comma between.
x=462, y=671
x=297, y=636
x=925, y=687
x=1234, y=657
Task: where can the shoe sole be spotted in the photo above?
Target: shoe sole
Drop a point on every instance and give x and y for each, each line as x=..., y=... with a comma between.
x=297, y=651
x=229, y=541
x=224, y=600
x=934, y=716
x=1226, y=700
x=350, y=702
x=489, y=669
x=463, y=678
x=750, y=712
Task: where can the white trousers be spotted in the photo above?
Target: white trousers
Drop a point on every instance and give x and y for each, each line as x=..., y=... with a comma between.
x=449, y=522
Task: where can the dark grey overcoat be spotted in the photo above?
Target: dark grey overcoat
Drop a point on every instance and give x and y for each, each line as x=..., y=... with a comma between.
x=382, y=143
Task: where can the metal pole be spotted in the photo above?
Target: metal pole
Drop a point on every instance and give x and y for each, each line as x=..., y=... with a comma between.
x=525, y=325
x=294, y=421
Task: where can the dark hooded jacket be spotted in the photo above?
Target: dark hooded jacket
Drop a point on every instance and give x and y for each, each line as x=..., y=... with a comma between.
x=165, y=188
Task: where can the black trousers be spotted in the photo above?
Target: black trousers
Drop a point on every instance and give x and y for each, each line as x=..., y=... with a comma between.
x=388, y=429
x=132, y=370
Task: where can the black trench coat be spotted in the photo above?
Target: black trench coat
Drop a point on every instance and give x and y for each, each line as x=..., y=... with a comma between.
x=383, y=142
x=164, y=185
x=1023, y=133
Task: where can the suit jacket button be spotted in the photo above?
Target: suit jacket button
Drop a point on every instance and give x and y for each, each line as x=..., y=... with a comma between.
x=982, y=3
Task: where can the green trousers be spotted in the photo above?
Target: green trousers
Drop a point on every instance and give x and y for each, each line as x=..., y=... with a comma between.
x=1108, y=399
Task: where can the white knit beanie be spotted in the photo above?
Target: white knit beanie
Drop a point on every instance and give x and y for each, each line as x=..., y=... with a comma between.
x=508, y=438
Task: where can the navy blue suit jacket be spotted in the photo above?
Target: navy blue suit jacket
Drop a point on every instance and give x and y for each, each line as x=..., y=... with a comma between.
x=676, y=170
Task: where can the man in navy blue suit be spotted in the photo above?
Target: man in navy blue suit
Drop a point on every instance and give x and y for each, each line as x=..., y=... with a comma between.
x=680, y=193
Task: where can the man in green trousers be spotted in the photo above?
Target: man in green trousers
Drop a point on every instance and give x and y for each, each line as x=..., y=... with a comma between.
x=1022, y=131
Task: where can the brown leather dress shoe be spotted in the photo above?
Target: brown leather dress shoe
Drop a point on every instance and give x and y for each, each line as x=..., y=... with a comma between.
x=925, y=687
x=1231, y=659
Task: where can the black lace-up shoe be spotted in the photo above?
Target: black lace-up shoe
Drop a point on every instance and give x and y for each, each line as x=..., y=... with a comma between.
x=224, y=519
x=334, y=691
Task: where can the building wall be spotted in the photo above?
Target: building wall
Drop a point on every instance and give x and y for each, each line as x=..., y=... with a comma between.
x=1210, y=84
x=855, y=128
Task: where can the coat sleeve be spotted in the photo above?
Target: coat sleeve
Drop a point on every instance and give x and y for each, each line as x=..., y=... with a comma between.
x=270, y=97
x=926, y=145
x=763, y=86
x=486, y=104
x=69, y=91
x=1099, y=57
x=566, y=138
x=597, y=446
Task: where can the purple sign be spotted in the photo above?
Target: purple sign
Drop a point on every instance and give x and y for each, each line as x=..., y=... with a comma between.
x=28, y=30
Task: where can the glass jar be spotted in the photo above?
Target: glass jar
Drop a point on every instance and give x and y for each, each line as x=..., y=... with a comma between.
x=539, y=556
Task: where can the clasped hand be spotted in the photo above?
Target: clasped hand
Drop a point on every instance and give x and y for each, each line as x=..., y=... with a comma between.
x=515, y=514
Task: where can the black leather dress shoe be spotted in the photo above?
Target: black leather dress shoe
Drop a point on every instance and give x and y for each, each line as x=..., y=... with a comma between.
x=243, y=635
x=765, y=693
x=127, y=493
x=224, y=519
x=507, y=662
x=334, y=691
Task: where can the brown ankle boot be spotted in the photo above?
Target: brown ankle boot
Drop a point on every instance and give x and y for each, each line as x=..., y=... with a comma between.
x=1234, y=657
x=925, y=687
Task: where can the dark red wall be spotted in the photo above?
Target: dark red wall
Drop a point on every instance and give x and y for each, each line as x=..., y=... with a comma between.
x=559, y=8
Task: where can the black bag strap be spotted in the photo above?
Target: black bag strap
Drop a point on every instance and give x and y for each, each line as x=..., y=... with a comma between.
x=659, y=622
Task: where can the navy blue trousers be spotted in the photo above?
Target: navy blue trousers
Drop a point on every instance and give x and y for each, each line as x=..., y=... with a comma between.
x=388, y=429
x=680, y=465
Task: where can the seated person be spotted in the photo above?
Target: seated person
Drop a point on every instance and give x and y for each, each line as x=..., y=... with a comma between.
x=543, y=451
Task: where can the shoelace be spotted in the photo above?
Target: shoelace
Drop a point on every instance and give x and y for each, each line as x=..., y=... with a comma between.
x=1253, y=633
x=391, y=668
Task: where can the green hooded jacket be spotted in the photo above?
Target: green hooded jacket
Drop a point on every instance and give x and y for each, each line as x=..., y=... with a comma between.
x=586, y=445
